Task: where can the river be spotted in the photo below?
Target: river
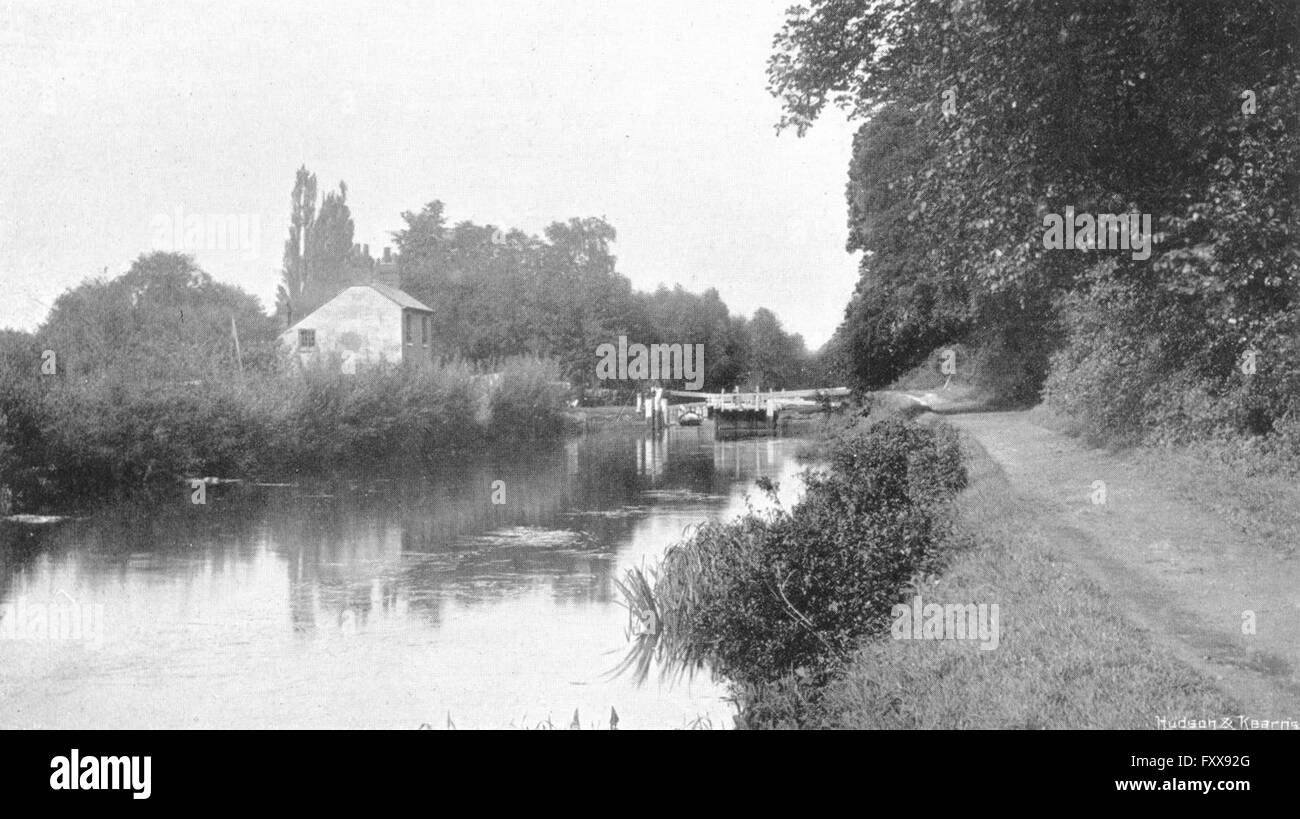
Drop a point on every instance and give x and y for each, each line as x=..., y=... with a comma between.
x=373, y=601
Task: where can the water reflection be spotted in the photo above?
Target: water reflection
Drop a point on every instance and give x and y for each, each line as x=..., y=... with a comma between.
x=372, y=599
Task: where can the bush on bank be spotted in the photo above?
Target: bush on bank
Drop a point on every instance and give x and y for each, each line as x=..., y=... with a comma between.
x=528, y=399
x=791, y=592
x=115, y=432
x=1134, y=370
x=328, y=418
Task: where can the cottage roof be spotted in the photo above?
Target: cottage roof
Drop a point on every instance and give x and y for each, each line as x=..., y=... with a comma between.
x=401, y=298
x=394, y=295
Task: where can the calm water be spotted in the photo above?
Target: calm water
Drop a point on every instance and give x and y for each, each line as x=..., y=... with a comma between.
x=377, y=601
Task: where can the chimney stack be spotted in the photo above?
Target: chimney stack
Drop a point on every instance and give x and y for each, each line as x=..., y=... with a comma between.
x=386, y=270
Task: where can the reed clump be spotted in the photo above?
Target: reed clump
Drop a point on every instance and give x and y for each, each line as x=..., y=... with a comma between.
x=789, y=593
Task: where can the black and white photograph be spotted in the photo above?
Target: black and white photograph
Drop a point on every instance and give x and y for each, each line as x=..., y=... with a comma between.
x=520, y=365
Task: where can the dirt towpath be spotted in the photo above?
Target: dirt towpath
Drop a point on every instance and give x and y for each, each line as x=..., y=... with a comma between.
x=1175, y=568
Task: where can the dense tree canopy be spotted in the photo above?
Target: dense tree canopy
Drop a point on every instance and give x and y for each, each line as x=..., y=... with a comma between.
x=497, y=293
x=163, y=319
x=983, y=117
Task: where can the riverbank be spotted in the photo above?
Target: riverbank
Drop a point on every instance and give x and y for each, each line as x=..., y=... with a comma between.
x=64, y=442
x=1171, y=597
x=785, y=595
x=1161, y=601
x=1067, y=654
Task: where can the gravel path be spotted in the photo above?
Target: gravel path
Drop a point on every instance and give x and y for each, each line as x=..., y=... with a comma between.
x=1176, y=569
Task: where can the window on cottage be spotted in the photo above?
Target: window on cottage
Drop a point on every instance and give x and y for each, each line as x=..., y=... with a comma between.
x=306, y=339
x=410, y=331
x=425, y=321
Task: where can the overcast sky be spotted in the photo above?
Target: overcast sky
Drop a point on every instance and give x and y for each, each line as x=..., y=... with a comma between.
x=654, y=115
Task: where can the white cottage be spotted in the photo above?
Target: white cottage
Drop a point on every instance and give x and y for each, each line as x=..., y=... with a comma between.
x=366, y=324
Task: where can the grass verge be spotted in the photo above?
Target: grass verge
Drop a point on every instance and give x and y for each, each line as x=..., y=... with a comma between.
x=1065, y=659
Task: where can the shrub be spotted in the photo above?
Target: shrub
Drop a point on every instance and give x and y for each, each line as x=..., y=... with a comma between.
x=527, y=399
x=120, y=429
x=1103, y=373
x=771, y=594
x=1145, y=367
x=375, y=414
x=438, y=410
x=109, y=434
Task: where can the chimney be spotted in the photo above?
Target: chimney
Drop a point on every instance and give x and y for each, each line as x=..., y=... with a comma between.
x=386, y=270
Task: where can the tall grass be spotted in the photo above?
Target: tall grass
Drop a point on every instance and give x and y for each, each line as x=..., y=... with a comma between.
x=114, y=432
x=785, y=592
x=527, y=398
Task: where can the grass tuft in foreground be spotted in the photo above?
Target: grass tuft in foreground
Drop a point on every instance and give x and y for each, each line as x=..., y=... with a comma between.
x=793, y=592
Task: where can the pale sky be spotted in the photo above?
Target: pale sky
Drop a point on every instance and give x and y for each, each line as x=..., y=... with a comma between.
x=654, y=115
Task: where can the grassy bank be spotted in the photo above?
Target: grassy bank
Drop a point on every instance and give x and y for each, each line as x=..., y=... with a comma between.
x=65, y=440
x=1065, y=658
x=794, y=608
x=790, y=594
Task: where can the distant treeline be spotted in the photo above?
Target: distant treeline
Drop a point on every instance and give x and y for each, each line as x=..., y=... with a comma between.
x=499, y=292
x=982, y=120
